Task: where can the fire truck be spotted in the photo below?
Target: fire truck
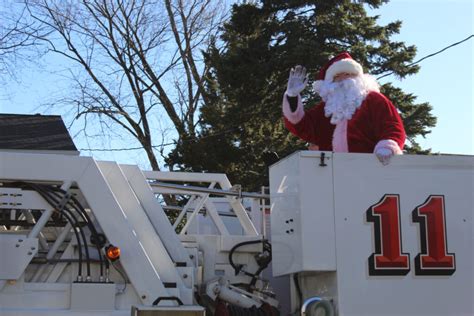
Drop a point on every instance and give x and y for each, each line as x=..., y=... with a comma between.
x=337, y=234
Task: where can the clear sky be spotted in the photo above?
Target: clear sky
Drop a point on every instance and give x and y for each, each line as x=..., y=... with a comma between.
x=445, y=80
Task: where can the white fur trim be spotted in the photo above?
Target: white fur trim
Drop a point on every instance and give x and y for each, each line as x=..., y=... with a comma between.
x=344, y=65
x=296, y=116
x=339, y=138
x=389, y=144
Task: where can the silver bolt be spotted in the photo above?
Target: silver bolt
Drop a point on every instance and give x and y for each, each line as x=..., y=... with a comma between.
x=185, y=276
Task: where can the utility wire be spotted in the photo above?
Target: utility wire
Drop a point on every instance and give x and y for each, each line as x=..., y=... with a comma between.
x=158, y=146
x=232, y=129
x=431, y=55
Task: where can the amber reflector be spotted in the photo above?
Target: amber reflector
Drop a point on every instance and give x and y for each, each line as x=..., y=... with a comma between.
x=113, y=253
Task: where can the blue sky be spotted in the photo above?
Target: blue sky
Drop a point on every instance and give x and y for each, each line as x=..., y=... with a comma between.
x=445, y=80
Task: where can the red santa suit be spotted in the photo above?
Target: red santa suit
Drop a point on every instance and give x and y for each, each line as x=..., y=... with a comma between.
x=374, y=124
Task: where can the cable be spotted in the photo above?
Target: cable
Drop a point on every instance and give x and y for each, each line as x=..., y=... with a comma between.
x=125, y=281
x=46, y=192
x=163, y=145
x=80, y=209
x=430, y=55
x=42, y=190
x=54, y=196
x=32, y=186
x=237, y=269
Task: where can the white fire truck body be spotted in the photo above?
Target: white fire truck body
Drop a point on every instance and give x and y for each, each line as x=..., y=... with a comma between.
x=351, y=237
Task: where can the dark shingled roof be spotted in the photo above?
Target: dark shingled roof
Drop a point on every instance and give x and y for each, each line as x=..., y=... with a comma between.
x=34, y=132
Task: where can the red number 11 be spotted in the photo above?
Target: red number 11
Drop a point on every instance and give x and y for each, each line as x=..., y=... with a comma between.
x=388, y=258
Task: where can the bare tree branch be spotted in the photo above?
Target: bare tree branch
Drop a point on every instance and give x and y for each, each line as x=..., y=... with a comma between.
x=135, y=61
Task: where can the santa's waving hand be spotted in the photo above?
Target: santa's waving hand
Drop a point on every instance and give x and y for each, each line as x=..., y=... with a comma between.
x=353, y=117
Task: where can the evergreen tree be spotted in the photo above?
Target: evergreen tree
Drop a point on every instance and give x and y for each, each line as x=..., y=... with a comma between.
x=262, y=41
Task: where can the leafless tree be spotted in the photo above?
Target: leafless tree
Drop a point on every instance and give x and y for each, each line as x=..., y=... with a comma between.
x=137, y=60
x=18, y=39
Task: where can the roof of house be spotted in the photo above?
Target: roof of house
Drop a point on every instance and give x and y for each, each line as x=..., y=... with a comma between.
x=34, y=132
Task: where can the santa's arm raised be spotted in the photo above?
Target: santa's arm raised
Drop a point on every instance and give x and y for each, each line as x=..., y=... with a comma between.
x=298, y=121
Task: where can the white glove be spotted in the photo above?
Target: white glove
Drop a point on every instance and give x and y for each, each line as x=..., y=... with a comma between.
x=297, y=81
x=384, y=155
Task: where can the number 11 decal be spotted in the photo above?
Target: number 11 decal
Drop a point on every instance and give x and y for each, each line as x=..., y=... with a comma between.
x=433, y=258
x=388, y=258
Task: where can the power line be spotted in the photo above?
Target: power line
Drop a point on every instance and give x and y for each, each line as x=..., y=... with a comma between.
x=162, y=145
x=431, y=55
x=232, y=129
x=122, y=149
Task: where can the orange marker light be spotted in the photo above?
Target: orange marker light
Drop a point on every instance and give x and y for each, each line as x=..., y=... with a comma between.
x=112, y=252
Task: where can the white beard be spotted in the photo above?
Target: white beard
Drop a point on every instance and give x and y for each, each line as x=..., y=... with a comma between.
x=343, y=98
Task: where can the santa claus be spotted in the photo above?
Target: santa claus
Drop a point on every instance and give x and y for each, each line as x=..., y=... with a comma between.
x=353, y=117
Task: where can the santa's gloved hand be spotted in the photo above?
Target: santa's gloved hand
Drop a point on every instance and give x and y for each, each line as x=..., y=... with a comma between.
x=297, y=81
x=384, y=155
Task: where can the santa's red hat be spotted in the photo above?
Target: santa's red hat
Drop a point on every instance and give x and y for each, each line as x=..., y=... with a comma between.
x=342, y=63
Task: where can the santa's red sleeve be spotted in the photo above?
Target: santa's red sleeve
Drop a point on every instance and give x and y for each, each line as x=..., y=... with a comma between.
x=301, y=123
x=388, y=125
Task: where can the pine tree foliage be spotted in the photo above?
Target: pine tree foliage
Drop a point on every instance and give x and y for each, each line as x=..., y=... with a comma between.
x=262, y=41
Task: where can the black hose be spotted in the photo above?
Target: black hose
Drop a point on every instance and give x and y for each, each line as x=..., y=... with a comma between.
x=93, y=231
x=268, y=248
x=237, y=269
x=42, y=190
x=78, y=207
x=68, y=218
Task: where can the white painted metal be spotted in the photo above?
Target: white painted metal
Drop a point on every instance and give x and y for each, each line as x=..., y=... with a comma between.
x=66, y=231
x=139, y=224
x=24, y=201
x=84, y=172
x=361, y=181
x=54, y=275
x=21, y=200
x=155, y=213
x=221, y=179
x=41, y=238
x=328, y=205
x=92, y=296
x=185, y=209
x=16, y=253
x=217, y=220
x=168, y=311
x=205, y=223
x=197, y=204
x=302, y=205
x=124, y=207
